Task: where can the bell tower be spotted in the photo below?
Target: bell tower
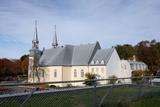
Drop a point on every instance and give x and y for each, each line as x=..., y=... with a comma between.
x=34, y=57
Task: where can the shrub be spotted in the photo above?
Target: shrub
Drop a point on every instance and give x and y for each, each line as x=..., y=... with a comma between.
x=69, y=85
x=137, y=75
x=90, y=76
x=113, y=79
x=52, y=86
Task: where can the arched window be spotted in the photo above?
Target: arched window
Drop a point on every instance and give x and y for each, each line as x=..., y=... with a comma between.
x=102, y=62
x=82, y=73
x=55, y=73
x=42, y=73
x=75, y=73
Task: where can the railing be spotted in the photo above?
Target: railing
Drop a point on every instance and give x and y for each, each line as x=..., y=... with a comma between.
x=104, y=92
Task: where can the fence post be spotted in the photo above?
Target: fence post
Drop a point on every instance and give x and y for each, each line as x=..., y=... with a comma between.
x=94, y=97
x=140, y=86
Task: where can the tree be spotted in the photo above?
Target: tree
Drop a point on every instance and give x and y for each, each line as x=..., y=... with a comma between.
x=24, y=63
x=149, y=53
x=125, y=51
x=13, y=67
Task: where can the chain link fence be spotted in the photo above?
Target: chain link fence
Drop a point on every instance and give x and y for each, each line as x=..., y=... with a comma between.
x=111, y=94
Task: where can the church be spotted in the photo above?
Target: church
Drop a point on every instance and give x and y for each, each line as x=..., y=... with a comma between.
x=72, y=62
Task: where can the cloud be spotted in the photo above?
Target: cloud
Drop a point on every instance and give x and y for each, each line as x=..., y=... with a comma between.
x=109, y=21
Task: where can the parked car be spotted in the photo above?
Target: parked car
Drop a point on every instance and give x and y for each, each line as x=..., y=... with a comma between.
x=156, y=80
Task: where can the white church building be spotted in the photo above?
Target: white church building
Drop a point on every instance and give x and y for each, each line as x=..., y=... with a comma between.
x=72, y=62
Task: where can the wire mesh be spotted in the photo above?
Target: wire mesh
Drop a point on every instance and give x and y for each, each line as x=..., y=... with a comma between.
x=115, y=94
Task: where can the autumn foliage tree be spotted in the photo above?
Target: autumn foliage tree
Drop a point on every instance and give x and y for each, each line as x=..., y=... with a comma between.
x=146, y=51
x=13, y=67
x=149, y=52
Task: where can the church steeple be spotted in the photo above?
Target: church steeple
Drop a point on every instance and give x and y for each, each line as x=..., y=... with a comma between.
x=35, y=41
x=55, y=42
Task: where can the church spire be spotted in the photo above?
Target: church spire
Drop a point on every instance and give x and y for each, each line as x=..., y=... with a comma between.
x=55, y=42
x=35, y=41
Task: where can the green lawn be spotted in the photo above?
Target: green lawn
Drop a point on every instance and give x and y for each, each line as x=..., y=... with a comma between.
x=153, y=101
x=117, y=97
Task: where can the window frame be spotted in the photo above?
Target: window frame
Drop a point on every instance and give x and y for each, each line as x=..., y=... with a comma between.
x=55, y=73
x=82, y=73
x=75, y=73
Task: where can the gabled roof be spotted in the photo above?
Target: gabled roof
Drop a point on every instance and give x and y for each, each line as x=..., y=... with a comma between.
x=102, y=55
x=83, y=53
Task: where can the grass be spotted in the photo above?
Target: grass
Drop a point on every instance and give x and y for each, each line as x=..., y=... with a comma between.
x=153, y=101
x=117, y=97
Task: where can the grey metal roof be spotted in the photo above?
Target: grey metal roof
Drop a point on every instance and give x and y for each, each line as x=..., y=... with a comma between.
x=82, y=54
x=57, y=56
x=103, y=55
x=74, y=55
x=68, y=55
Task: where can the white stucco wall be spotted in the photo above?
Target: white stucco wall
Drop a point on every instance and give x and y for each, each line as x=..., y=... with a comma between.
x=50, y=74
x=30, y=79
x=66, y=74
x=126, y=70
x=79, y=69
x=100, y=71
x=114, y=65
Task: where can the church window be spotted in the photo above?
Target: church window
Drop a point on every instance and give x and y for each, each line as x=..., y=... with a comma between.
x=75, y=73
x=82, y=73
x=55, y=73
x=42, y=73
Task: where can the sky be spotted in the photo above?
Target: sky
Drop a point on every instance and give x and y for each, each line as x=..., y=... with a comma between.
x=110, y=22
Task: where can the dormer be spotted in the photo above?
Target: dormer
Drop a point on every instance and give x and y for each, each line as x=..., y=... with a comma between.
x=97, y=62
x=102, y=62
x=92, y=62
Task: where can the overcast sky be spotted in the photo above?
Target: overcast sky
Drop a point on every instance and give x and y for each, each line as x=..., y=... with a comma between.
x=110, y=22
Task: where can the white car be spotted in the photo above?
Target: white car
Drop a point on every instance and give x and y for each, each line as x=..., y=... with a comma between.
x=155, y=81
